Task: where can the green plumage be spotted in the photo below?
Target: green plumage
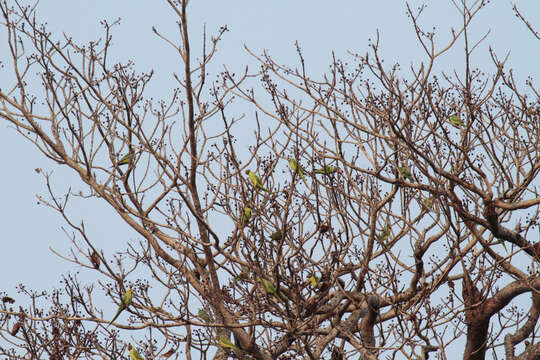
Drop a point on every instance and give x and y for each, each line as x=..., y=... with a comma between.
x=244, y=274
x=134, y=354
x=427, y=203
x=203, y=315
x=270, y=289
x=276, y=235
x=295, y=167
x=404, y=171
x=246, y=215
x=126, y=301
x=456, y=121
x=385, y=232
x=313, y=281
x=326, y=170
x=126, y=159
x=227, y=344
x=256, y=181
x=244, y=220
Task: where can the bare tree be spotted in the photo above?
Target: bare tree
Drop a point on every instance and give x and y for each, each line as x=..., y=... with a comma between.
x=375, y=215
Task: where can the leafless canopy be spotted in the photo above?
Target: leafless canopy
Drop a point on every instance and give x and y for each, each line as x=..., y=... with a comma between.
x=397, y=215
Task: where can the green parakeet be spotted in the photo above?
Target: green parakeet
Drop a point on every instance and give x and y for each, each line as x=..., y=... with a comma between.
x=134, y=354
x=456, y=121
x=270, y=289
x=385, y=232
x=276, y=235
x=126, y=159
x=126, y=301
x=204, y=316
x=296, y=168
x=427, y=203
x=313, y=281
x=246, y=215
x=227, y=344
x=244, y=274
x=326, y=170
x=404, y=171
x=244, y=220
x=256, y=181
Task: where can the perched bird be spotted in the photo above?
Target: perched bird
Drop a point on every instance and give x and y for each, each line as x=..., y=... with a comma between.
x=126, y=301
x=326, y=170
x=126, y=159
x=256, y=181
x=270, y=289
x=134, y=354
x=427, y=203
x=313, y=281
x=244, y=274
x=244, y=220
x=404, y=171
x=456, y=121
x=385, y=232
x=246, y=215
x=204, y=316
x=94, y=258
x=227, y=344
x=276, y=235
x=296, y=168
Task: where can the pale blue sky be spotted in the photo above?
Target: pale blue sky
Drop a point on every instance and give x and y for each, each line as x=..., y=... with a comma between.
x=28, y=230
